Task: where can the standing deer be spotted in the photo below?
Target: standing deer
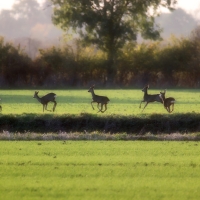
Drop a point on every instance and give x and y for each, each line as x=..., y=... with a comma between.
x=99, y=100
x=149, y=98
x=46, y=99
x=167, y=102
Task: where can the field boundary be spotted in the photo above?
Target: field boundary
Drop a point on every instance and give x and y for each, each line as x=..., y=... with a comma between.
x=138, y=126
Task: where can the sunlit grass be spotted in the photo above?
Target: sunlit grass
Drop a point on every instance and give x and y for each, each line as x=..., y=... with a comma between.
x=99, y=170
x=122, y=102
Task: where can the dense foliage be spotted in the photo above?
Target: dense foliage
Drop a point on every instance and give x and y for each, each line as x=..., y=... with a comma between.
x=110, y=24
x=87, y=123
x=168, y=63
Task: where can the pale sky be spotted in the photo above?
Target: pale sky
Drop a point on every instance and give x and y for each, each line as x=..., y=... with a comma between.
x=188, y=5
x=7, y=4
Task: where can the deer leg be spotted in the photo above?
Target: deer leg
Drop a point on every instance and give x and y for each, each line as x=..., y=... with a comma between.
x=43, y=107
x=98, y=105
x=172, y=107
x=101, y=108
x=140, y=104
x=46, y=107
x=92, y=105
x=105, y=107
x=54, y=107
x=145, y=106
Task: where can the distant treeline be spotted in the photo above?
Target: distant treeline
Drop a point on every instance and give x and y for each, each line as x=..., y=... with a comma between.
x=168, y=63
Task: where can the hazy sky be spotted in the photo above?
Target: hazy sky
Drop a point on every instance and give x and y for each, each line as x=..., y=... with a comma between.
x=189, y=5
x=179, y=24
x=7, y=4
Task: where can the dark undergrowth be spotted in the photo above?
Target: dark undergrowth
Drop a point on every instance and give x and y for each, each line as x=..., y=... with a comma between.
x=115, y=124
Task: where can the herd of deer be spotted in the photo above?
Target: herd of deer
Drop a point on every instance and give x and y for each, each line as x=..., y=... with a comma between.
x=103, y=100
x=149, y=98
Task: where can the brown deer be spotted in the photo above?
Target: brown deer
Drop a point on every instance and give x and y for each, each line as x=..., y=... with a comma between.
x=0, y=107
x=167, y=102
x=149, y=98
x=46, y=99
x=99, y=100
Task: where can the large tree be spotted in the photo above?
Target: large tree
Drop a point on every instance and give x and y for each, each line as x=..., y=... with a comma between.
x=110, y=23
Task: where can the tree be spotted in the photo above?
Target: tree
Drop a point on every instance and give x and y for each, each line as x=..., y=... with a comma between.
x=110, y=24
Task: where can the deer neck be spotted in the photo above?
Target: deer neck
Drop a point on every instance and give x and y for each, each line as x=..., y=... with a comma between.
x=145, y=93
x=38, y=98
x=93, y=94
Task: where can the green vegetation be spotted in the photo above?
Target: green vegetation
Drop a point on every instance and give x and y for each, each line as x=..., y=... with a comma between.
x=174, y=63
x=110, y=25
x=99, y=170
x=122, y=102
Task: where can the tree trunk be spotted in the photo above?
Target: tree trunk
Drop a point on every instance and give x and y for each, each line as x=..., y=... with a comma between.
x=111, y=68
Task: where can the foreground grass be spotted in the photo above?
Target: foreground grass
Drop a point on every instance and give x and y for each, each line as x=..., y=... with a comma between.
x=99, y=170
x=123, y=102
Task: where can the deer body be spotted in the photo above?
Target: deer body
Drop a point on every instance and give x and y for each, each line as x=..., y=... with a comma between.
x=149, y=98
x=0, y=107
x=167, y=102
x=103, y=100
x=46, y=99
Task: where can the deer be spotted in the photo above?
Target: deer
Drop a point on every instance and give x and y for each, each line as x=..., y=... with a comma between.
x=50, y=97
x=167, y=102
x=0, y=107
x=103, y=100
x=149, y=98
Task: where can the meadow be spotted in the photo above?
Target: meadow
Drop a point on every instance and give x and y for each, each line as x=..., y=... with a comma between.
x=74, y=101
x=99, y=170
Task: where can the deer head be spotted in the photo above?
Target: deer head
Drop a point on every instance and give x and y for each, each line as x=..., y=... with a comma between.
x=36, y=94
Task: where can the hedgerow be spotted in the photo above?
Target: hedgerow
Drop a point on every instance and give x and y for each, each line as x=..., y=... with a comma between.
x=112, y=124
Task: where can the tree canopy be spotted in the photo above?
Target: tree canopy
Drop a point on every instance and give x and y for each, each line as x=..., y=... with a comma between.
x=110, y=24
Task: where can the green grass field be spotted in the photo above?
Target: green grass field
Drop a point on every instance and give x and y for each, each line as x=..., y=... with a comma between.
x=99, y=170
x=123, y=102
